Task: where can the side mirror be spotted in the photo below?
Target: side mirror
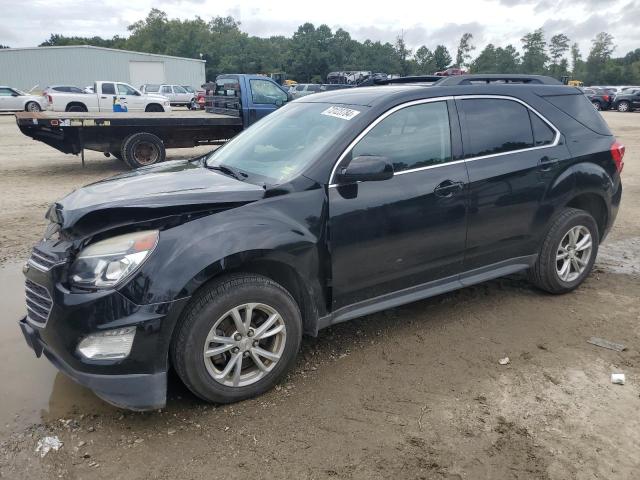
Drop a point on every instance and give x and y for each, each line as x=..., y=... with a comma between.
x=289, y=96
x=14, y=94
x=279, y=102
x=366, y=169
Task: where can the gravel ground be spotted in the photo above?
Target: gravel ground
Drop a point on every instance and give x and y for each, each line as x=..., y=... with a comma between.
x=413, y=392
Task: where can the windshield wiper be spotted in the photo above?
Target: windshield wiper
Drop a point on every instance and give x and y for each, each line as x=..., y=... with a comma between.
x=229, y=171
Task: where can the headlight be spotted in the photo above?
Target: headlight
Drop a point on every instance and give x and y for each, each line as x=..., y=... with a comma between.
x=107, y=262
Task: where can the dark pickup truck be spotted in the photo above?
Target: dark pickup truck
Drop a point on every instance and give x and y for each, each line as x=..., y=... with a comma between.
x=140, y=139
x=338, y=205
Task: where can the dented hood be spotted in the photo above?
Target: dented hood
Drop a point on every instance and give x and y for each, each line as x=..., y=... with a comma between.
x=151, y=192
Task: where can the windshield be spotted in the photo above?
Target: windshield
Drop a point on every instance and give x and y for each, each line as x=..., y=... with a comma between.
x=280, y=146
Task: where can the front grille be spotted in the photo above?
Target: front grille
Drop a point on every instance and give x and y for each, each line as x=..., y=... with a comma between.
x=41, y=259
x=39, y=302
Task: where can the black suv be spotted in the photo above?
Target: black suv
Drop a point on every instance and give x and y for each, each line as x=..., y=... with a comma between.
x=627, y=100
x=336, y=206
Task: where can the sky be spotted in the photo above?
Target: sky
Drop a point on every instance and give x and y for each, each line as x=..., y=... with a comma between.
x=26, y=23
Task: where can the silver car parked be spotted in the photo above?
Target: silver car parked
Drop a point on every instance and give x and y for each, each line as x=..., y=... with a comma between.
x=14, y=100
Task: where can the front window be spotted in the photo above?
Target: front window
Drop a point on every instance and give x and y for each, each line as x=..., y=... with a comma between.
x=413, y=137
x=263, y=91
x=178, y=89
x=281, y=145
x=124, y=89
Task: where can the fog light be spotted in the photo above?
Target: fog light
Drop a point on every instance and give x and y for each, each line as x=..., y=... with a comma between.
x=109, y=345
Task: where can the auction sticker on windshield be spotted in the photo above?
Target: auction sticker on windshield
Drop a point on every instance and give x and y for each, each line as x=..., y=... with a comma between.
x=341, y=112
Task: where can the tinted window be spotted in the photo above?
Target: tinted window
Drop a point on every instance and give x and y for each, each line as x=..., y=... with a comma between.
x=413, y=137
x=263, y=91
x=496, y=126
x=108, y=88
x=313, y=88
x=543, y=134
x=75, y=90
x=6, y=92
x=580, y=108
x=227, y=87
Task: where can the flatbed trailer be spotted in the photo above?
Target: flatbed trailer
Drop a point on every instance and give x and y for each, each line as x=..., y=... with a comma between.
x=139, y=139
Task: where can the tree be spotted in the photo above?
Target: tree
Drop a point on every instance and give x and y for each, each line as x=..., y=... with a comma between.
x=597, y=65
x=464, y=49
x=403, y=54
x=535, y=57
x=425, y=61
x=442, y=57
x=4, y=46
x=558, y=47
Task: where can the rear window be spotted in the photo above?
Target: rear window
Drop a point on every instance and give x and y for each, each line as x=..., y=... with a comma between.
x=580, y=108
x=496, y=126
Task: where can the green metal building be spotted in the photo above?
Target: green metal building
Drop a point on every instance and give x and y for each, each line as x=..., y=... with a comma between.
x=81, y=65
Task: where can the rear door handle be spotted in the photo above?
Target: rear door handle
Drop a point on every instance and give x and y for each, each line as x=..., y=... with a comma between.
x=448, y=188
x=547, y=164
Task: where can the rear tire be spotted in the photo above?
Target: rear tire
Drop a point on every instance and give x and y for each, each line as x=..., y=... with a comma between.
x=567, y=254
x=76, y=107
x=143, y=149
x=597, y=105
x=208, y=342
x=624, y=106
x=32, y=107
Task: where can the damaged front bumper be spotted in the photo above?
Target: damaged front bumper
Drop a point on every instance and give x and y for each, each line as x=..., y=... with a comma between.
x=58, y=320
x=132, y=391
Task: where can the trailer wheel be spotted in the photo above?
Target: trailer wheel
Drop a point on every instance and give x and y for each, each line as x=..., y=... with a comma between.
x=143, y=149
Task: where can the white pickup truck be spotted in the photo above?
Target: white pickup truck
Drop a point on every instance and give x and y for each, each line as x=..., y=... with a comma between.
x=108, y=97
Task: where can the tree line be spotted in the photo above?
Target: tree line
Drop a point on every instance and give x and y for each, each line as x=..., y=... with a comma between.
x=312, y=52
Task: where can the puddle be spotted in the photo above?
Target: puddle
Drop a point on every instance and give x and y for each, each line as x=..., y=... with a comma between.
x=620, y=256
x=32, y=389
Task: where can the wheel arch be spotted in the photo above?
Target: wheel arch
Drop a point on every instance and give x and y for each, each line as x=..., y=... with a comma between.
x=75, y=104
x=595, y=205
x=153, y=105
x=275, y=266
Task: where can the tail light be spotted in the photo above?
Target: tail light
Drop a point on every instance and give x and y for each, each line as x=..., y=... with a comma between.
x=617, y=153
x=606, y=98
x=49, y=98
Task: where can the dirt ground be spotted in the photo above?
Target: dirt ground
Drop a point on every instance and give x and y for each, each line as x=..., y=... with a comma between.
x=415, y=392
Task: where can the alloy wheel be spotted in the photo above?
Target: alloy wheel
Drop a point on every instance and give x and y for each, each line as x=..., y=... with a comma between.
x=244, y=344
x=574, y=253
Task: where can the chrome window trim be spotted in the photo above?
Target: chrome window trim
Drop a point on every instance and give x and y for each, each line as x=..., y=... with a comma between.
x=376, y=122
x=555, y=142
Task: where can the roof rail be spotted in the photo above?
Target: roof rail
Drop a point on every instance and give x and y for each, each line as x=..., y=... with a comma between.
x=496, y=78
x=400, y=80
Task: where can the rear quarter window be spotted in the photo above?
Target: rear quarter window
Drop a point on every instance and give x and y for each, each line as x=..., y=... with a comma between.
x=580, y=109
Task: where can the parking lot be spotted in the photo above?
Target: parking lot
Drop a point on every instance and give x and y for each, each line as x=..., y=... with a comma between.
x=413, y=392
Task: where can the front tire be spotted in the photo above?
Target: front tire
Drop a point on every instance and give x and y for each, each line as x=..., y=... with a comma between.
x=154, y=107
x=624, y=106
x=237, y=338
x=567, y=254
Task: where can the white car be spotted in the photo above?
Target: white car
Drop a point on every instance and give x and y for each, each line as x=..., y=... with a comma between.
x=177, y=94
x=109, y=96
x=13, y=100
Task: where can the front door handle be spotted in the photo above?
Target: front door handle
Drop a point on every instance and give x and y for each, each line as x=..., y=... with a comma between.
x=448, y=188
x=547, y=164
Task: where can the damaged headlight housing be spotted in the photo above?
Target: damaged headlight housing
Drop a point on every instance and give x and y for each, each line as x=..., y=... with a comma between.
x=106, y=263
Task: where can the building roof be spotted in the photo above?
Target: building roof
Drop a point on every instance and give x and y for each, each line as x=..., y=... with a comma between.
x=99, y=48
